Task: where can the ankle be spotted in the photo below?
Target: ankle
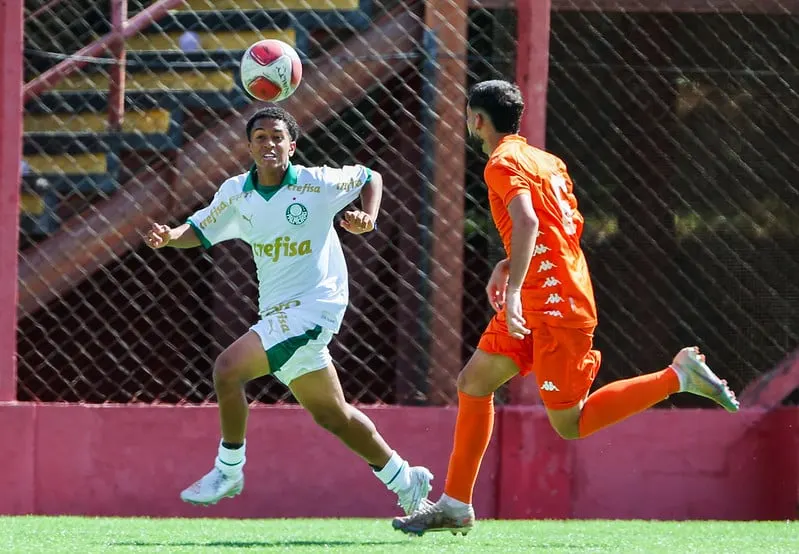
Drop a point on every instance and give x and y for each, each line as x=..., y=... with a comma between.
x=230, y=461
x=453, y=504
x=395, y=474
x=680, y=377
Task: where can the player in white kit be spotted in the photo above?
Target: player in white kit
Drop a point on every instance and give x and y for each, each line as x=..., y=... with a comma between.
x=285, y=212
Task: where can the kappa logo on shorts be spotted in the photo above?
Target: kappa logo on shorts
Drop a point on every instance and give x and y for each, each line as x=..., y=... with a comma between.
x=549, y=386
x=296, y=213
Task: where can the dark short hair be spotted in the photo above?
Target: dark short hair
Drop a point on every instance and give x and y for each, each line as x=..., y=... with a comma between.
x=279, y=114
x=502, y=101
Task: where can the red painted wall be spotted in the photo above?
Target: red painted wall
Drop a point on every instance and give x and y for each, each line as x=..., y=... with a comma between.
x=128, y=460
x=10, y=158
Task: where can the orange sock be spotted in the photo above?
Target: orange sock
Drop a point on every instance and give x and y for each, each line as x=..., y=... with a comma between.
x=619, y=400
x=472, y=434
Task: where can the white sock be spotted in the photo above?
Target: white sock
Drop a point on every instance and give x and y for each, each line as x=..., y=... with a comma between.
x=453, y=505
x=230, y=461
x=395, y=474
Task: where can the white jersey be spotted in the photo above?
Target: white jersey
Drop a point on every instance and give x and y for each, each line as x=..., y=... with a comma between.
x=290, y=228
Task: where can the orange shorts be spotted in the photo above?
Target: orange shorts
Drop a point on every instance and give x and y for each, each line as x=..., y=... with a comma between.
x=561, y=358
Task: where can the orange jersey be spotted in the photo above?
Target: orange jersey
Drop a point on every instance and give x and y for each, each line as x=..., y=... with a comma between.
x=557, y=290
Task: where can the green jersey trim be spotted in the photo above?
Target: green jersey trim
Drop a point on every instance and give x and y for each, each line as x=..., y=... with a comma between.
x=200, y=235
x=267, y=192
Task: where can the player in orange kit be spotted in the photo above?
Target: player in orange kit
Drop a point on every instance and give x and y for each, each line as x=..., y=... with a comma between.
x=545, y=317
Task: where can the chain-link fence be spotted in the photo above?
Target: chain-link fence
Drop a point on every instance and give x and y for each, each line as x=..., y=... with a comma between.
x=677, y=129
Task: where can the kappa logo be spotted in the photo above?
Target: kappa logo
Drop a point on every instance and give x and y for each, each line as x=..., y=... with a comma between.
x=296, y=213
x=549, y=386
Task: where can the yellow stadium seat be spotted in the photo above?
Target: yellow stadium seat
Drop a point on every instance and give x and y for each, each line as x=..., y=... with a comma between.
x=147, y=122
x=206, y=80
x=256, y=5
x=68, y=164
x=209, y=40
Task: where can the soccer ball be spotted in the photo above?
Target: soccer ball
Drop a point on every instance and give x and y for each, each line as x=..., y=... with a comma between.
x=270, y=70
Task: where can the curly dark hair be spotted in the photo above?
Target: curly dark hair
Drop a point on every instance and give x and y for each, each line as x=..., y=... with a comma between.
x=276, y=113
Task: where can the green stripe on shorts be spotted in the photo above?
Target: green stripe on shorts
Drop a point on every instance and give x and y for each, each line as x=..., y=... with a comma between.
x=280, y=353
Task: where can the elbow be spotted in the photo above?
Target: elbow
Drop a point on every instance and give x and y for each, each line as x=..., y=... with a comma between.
x=527, y=224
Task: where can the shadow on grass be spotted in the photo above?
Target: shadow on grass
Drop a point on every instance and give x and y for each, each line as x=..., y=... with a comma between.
x=534, y=546
x=257, y=544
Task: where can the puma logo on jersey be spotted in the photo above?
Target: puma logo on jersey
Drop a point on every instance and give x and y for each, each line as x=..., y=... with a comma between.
x=247, y=218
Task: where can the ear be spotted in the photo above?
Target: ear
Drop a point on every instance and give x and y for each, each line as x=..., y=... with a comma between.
x=292, y=148
x=477, y=122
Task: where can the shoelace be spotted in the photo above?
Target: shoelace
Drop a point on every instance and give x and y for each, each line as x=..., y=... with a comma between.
x=425, y=509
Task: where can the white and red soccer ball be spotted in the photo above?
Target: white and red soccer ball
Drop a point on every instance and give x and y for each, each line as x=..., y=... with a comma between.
x=270, y=70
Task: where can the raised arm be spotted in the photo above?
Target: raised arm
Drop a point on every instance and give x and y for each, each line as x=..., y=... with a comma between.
x=182, y=236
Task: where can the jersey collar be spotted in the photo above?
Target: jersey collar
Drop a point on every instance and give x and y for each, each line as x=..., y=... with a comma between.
x=512, y=138
x=251, y=183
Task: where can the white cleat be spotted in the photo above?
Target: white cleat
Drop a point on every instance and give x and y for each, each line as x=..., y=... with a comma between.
x=697, y=378
x=213, y=487
x=435, y=517
x=415, y=495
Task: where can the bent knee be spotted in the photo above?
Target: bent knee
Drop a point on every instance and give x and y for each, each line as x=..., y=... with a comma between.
x=566, y=423
x=226, y=370
x=568, y=432
x=469, y=382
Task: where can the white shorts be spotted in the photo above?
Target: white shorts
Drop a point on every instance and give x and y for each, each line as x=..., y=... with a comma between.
x=294, y=342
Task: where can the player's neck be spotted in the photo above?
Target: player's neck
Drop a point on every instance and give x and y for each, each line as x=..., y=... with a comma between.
x=270, y=177
x=492, y=140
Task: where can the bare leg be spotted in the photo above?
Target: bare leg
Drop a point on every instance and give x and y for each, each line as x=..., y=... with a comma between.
x=242, y=361
x=320, y=393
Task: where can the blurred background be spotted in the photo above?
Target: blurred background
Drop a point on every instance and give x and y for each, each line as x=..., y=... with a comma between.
x=676, y=119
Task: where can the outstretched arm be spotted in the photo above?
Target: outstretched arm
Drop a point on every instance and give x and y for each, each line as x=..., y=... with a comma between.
x=182, y=236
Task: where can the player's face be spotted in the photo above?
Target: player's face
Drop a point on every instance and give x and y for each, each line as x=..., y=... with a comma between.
x=271, y=145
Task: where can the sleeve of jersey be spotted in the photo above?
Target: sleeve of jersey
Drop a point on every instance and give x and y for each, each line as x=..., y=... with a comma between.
x=218, y=221
x=506, y=183
x=344, y=185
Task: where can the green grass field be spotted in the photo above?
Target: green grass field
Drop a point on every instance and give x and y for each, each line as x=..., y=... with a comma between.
x=84, y=535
